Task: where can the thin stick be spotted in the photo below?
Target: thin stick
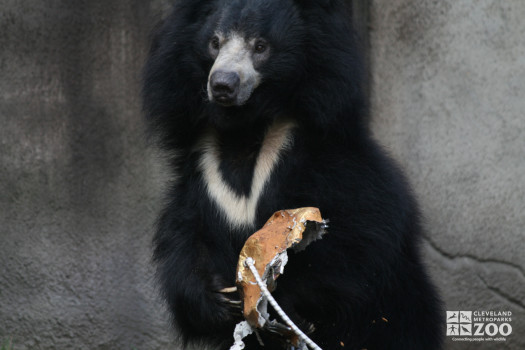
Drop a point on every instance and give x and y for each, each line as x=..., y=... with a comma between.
x=251, y=265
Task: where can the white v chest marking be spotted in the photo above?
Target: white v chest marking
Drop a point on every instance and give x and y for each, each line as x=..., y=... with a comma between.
x=240, y=210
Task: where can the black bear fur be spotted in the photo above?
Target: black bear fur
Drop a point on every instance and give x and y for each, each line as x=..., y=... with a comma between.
x=363, y=285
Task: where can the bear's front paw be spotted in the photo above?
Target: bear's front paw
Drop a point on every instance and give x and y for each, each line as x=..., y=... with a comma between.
x=227, y=298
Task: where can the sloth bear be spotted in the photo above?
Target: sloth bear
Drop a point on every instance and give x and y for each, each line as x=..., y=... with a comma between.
x=261, y=107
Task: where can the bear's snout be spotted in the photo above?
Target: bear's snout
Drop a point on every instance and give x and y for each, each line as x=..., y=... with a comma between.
x=225, y=87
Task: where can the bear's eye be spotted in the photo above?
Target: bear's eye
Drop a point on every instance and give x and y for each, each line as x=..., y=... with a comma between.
x=215, y=43
x=260, y=46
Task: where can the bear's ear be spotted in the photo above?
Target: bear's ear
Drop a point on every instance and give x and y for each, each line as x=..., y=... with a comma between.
x=312, y=3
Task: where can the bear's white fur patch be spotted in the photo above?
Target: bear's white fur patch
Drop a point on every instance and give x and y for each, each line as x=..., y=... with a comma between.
x=239, y=210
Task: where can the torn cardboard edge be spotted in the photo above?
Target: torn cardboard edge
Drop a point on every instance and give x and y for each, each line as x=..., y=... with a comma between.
x=286, y=229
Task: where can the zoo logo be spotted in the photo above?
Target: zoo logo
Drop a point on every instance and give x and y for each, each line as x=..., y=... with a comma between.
x=473, y=324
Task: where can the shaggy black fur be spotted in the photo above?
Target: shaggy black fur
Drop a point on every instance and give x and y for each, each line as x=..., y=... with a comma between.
x=368, y=266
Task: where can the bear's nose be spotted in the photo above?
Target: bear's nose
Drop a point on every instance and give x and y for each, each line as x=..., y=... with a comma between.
x=224, y=86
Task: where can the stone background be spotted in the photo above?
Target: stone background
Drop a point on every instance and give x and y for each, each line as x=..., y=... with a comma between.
x=79, y=188
x=448, y=93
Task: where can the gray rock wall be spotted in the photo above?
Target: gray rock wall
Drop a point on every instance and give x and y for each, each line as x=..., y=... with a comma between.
x=78, y=189
x=448, y=95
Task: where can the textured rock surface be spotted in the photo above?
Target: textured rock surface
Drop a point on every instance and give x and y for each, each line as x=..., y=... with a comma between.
x=448, y=98
x=78, y=189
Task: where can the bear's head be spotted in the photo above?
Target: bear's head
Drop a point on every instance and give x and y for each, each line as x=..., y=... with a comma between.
x=253, y=53
x=236, y=62
x=253, y=42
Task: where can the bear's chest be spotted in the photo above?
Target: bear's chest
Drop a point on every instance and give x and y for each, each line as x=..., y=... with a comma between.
x=235, y=185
